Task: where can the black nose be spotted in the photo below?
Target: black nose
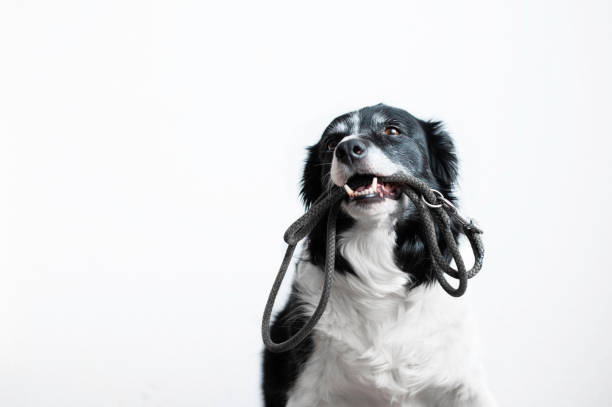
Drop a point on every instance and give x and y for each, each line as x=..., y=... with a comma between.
x=351, y=150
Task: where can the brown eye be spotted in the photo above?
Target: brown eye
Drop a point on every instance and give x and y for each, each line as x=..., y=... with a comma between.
x=392, y=131
x=331, y=145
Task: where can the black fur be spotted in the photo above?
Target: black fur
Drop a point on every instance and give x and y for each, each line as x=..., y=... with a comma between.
x=280, y=370
x=423, y=147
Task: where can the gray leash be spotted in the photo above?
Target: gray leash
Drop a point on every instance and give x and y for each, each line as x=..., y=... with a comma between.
x=426, y=200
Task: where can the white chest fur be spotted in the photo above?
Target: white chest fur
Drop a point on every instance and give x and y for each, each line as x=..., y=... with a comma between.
x=379, y=345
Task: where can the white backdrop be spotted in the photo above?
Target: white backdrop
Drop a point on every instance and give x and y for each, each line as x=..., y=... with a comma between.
x=149, y=160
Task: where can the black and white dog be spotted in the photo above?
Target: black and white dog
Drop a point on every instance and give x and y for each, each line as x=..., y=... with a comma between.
x=390, y=335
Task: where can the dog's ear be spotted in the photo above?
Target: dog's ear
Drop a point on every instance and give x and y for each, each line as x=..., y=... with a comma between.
x=443, y=160
x=311, y=179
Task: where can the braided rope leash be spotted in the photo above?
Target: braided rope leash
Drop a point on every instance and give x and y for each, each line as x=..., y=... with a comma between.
x=426, y=200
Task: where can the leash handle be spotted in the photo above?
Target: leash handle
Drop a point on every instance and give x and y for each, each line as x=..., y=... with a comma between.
x=426, y=200
x=330, y=265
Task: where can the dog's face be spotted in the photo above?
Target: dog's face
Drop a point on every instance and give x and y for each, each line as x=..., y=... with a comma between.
x=358, y=148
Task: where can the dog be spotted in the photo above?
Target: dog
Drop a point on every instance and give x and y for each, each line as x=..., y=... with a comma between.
x=390, y=335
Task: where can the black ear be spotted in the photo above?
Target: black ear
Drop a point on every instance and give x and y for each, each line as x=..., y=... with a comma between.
x=311, y=179
x=443, y=160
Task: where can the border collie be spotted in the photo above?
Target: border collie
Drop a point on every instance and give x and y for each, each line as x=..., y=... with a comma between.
x=390, y=335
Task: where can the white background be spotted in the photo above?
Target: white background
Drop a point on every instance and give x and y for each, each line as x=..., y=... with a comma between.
x=149, y=159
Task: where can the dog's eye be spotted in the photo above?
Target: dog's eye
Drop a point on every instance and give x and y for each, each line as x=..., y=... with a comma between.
x=392, y=131
x=331, y=145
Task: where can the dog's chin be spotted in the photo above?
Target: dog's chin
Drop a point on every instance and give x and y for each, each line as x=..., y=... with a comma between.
x=370, y=210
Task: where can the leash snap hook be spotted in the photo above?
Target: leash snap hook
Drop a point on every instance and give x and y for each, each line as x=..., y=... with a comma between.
x=468, y=224
x=439, y=196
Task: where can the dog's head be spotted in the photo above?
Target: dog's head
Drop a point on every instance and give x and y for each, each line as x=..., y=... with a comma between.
x=358, y=148
x=370, y=143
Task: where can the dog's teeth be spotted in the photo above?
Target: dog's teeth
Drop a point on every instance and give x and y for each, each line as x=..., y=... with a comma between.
x=349, y=190
x=374, y=184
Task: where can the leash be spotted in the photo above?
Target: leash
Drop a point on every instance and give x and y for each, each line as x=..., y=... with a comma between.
x=426, y=200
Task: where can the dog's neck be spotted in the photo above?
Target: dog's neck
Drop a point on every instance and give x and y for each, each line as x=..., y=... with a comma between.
x=377, y=246
x=369, y=247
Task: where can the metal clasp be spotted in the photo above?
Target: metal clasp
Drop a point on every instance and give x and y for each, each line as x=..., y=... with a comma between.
x=468, y=224
x=441, y=198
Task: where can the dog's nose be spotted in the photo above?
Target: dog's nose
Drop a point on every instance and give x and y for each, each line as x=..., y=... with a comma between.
x=351, y=150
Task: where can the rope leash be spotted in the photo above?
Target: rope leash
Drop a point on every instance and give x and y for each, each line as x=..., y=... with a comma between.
x=426, y=200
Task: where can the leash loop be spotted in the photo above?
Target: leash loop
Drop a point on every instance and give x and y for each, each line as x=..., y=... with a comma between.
x=435, y=212
x=330, y=264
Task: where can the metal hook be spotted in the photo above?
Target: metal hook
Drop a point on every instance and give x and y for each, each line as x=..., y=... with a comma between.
x=440, y=196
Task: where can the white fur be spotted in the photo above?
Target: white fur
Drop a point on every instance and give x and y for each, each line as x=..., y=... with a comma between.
x=355, y=120
x=340, y=127
x=378, y=118
x=379, y=345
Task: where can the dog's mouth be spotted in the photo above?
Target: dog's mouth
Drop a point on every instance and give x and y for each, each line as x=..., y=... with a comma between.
x=365, y=188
